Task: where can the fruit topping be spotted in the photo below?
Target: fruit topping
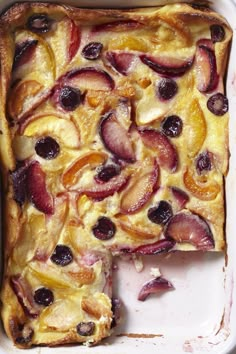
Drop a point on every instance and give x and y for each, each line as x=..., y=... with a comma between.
x=106, y=172
x=24, y=52
x=202, y=190
x=136, y=232
x=155, y=248
x=166, y=151
x=161, y=213
x=93, y=158
x=19, y=176
x=104, y=229
x=116, y=138
x=196, y=127
x=37, y=190
x=217, y=33
x=52, y=125
x=218, y=104
x=117, y=26
x=43, y=296
x=180, y=196
x=172, y=126
x=154, y=286
x=75, y=37
x=101, y=191
x=166, y=89
x=92, y=50
x=89, y=78
x=47, y=148
x=69, y=98
x=167, y=66
x=142, y=186
x=39, y=23
x=24, y=295
x=120, y=61
x=116, y=307
x=190, y=228
x=207, y=77
x=62, y=255
x=25, y=335
x=128, y=42
x=85, y=328
x=203, y=162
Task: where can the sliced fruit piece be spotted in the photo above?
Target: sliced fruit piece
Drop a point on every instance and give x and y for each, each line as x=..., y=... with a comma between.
x=89, y=78
x=93, y=159
x=201, y=190
x=168, y=66
x=190, y=228
x=24, y=91
x=24, y=295
x=137, y=233
x=120, y=61
x=196, y=127
x=75, y=38
x=84, y=275
x=142, y=186
x=53, y=125
x=180, y=196
x=154, y=286
x=127, y=42
x=166, y=152
x=24, y=52
x=116, y=138
x=37, y=190
x=101, y=191
x=155, y=248
x=207, y=77
x=117, y=26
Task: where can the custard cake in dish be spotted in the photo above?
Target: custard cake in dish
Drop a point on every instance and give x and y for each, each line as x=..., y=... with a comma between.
x=114, y=139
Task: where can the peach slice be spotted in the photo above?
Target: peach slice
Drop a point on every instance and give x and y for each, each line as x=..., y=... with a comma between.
x=24, y=91
x=203, y=191
x=53, y=125
x=137, y=233
x=141, y=189
x=196, y=127
x=93, y=159
x=128, y=42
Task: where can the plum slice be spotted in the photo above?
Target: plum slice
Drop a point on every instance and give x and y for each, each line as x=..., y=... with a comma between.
x=141, y=190
x=117, y=26
x=167, y=66
x=160, y=246
x=180, y=196
x=89, y=78
x=37, y=191
x=154, y=286
x=190, y=228
x=121, y=62
x=74, y=42
x=207, y=77
x=24, y=52
x=166, y=152
x=116, y=138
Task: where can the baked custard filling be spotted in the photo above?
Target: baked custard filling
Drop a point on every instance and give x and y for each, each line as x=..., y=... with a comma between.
x=114, y=140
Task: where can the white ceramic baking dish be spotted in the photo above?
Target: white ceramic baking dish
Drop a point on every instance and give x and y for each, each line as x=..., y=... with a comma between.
x=200, y=315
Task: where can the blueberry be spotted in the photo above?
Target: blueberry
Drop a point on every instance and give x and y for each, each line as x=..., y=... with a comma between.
x=62, y=255
x=172, y=126
x=166, y=89
x=69, y=98
x=218, y=104
x=43, y=296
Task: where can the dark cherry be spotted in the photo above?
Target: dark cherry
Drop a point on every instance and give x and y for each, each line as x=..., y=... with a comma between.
x=166, y=89
x=161, y=213
x=39, y=23
x=104, y=229
x=172, y=126
x=106, y=172
x=69, y=98
x=116, y=307
x=47, y=148
x=92, y=50
x=43, y=296
x=217, y=33
x=218, y=104
x=203, y=162
x=62, y=255
x=85, y=328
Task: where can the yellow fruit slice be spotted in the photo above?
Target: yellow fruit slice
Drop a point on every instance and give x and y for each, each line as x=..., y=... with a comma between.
x=129, y=43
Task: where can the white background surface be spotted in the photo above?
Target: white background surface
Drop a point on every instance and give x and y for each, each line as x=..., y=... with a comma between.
x=189, y=318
